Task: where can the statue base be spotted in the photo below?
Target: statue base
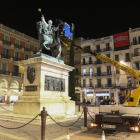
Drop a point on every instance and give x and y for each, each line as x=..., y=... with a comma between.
x=49, y=89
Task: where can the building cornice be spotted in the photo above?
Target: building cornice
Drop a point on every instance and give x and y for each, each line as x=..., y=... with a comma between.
x=18, y=35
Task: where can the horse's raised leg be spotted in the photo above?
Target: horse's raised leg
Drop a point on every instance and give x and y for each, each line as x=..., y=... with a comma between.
x=58, y=47
x=44, y=44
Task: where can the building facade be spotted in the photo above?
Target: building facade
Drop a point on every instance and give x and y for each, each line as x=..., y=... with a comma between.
x=14, y=47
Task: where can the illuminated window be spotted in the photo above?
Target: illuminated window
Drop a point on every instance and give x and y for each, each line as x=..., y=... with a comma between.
x=134, y=41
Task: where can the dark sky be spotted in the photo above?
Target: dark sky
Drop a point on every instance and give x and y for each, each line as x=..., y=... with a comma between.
x=92, y=18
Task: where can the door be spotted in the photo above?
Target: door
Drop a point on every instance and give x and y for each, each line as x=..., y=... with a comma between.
x=99, y=82
x=90, y=62
x=108, y=70
x=84, y=82
x=98, y=71
x=4, y=68
x=83, y=61
x=84, y=72
x=90, y=71
x=16, y=56
x=109, y=82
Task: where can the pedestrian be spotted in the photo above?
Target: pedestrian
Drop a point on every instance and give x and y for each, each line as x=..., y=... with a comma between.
x=84, y=102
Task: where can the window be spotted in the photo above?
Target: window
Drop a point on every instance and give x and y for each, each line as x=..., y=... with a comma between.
x=90, y=82
x=27, y=45
x=88, y=47
x=135, y=52
x=76, y=81
x=76, y=71
x=15, y=68
x=16, y=56
x=117, y=57
x=83, y=61
x=4, y=66
x=117, y=70
x=127, y=58
x=68, y=49
x=109, y=81
x=108, y=70
x=17, y=42
x=98, y=48
x=36, y=49
x=84, y=82
x=134, y=41
x=98, y=71
x=6, y=38
x=26, y=57
x=90, y=61
x=139, y=39
x=90, y=71
x=137, y=66
x=5, y=52
x=84, y=71
x=107, y=46
x=99, y=82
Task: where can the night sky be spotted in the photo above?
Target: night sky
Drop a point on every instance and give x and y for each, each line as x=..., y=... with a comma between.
x=92, y=18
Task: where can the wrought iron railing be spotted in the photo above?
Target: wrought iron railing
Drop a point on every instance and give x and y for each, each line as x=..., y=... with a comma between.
x=18, y=46
x=27, y=49
x=5, y=56
x=16, y=74
x=98, y=62
x=107, y=49
x=87, y=63
x=87, y=74
x=97, y=51
x=5, y=72
x=16, y=59
x=87, y=86
x=7, y=42
x=99, y=86
x=135, y=54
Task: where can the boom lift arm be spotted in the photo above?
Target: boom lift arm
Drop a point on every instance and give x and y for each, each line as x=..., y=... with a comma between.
x=134, y=97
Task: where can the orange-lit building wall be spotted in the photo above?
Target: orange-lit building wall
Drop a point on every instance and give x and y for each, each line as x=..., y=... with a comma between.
x=22, y=44
x=22, y=55
x=12, y=40
x=11, y=53
x=1, y=36
x=32, y=47
x=1, y=49
x=10, y=67
x=21, y=69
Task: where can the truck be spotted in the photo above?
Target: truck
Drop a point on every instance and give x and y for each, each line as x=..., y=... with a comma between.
x=115, y=117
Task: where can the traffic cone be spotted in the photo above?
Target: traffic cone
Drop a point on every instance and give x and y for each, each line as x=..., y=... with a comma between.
x=103, y=135
x=68, y=137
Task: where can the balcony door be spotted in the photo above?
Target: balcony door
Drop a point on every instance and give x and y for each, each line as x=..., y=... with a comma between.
x=90, y=82
x=84, y=72
x=98, y=71
x=99, y=82
x=4, y=68
x=83, y=61
x=5, y=52
x=6, y=38
x=90, y=61
x=16, y=55
x=15, y=69
x=107, y=46
x=108, y=70
x=109, y=82
x=98, y=48
x=76, y=81
x=90, y=71
x=84, y=82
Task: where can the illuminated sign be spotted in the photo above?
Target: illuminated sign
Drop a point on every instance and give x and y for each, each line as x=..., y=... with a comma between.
x=121, y=39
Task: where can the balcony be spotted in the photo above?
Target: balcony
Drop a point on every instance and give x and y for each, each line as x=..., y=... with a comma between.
x=107, y=49
x=100, y=74
x=109, y=73
x=16, y=59
x=97, y=51
x=87, y=74
x=5, y=56
x=87, y=63
x=110, y=85
x=77, y=85
x=98, y=62
x=87, y=86
x=99, y=86
x=16, y=74
x=77, y=62
x=127, y=60
x=27, y=49
x=5, y=72
x=7, y=42
x=135, y=54
x=17, y=46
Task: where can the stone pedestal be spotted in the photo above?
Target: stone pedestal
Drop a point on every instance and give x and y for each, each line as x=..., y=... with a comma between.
x=47, y=93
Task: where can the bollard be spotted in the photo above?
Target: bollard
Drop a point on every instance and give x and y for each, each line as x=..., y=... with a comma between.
x=68, y=137
x=43, y=123
x=79, y=106
x=85, y=115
